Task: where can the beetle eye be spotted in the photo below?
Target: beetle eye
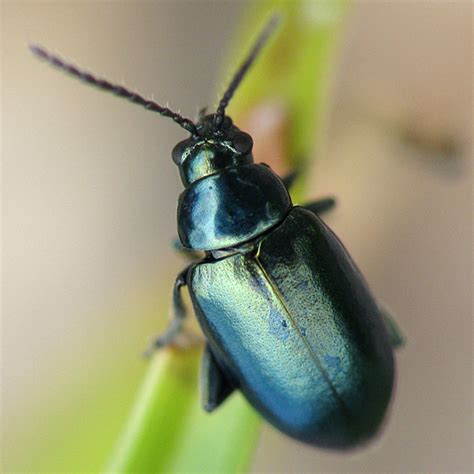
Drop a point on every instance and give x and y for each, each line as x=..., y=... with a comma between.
x=178, y=150
x=227, y=123
x=243, y=142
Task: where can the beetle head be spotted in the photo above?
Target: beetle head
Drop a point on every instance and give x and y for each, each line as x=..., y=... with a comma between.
x=212, y=149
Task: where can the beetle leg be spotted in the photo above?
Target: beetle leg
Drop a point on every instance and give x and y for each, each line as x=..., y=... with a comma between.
x=215, y=387
x=179, y=314
x=289, y=178
x=318, y=207
x=394, y=333
x=321, y=205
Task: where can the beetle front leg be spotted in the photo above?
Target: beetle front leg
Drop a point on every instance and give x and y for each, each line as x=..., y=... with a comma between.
x=179, y=315
x=289, y=179
x=321, y=205
x=318, y=207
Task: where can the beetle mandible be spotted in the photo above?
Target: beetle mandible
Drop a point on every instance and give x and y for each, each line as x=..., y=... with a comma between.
x=287, y=316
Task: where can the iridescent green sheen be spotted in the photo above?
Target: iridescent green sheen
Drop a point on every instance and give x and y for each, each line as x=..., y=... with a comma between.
x=294, y=326
x=288, y=318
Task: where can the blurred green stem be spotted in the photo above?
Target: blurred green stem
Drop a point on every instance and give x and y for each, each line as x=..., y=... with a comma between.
x=167, y=425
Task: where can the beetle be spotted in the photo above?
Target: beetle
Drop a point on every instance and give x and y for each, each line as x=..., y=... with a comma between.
x=288, y=318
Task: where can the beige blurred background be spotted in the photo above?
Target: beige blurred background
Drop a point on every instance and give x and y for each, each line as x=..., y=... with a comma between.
x=89, y=198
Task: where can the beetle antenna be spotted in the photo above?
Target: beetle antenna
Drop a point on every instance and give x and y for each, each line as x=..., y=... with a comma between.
x=105, y=85
x=244, y=67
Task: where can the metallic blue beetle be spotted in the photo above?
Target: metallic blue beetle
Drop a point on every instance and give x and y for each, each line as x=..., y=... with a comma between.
x=288, y=318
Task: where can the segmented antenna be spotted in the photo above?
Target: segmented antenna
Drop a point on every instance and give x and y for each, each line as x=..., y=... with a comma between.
x=105, y=85
x=244, y=67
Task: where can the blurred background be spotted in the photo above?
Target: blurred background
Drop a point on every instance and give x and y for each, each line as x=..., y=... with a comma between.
x=89, y=200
